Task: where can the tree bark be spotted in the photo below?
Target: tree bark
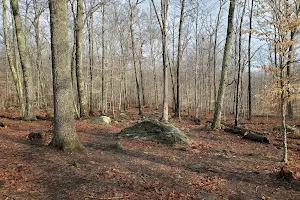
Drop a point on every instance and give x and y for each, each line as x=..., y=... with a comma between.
x=289, y=66
x=141, y=73
x=179, y=58
x=246, y=134
x=36, y=25
x=13, y=67
x=132, y=8
x=163, y=23
x=65, y=136
x=249, y=65
x=236, y=118
x=215, y=48
x=83, y=108
x=25, y=63
x=219, y=104
x=153, y=60
x=283, y=120
x=91, y=63
x=196, y=64
x=73, y=64
x=103, y=106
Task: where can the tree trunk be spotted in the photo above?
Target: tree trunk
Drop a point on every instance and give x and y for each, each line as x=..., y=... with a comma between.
x=215, y=48
x=164, y=11
x=283, y=120
x=209, y=74
x=236, y=118
x=79, y=67
x=39, y=53
x=103, y=107
x=65, y=136
x=289, y=65
x=154, y=68
x=141, y=74
x=132, y=8
x=246, y=134
x=179, y=58
x=162, y=24
x=73, y=66
x=249, y=65
x=25, y=63
x=196, y=64
x=219, y=104
x=13, y=67
x=91, y=63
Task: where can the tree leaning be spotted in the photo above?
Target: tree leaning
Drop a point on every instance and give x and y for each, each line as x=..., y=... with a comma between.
x=65, y=136
x=219, y=103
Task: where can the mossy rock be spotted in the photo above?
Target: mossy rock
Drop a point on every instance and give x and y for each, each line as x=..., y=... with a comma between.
x=123, y=115
x=289, y=129
x=102, y=120
x=154, y=130
x=2, y=124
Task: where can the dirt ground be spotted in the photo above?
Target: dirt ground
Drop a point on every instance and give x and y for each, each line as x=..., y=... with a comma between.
x=217, y=165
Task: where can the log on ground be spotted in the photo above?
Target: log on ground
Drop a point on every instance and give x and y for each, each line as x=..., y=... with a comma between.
x=246, y=134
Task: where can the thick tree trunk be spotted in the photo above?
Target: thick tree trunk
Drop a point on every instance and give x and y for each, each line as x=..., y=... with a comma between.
x=83, y=108
x=25, y=63
x=13, y=67
x=65, y=136
x=221, y=92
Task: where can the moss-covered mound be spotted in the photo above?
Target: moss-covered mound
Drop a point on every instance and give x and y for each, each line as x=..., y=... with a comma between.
x=154, y=130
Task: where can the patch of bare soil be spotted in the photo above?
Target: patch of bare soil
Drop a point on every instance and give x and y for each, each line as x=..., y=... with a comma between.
x=217, y=165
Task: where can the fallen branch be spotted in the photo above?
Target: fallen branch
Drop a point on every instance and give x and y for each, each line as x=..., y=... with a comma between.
x=246, y=134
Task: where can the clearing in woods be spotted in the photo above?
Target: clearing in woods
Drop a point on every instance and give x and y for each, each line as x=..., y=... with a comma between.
x=217, y=165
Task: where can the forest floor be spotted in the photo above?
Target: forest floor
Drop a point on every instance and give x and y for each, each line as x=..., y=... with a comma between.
x=227, y=166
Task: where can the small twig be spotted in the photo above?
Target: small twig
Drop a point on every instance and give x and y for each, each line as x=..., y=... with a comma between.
x=144, y=179
x=5, y=195
x=106, y=198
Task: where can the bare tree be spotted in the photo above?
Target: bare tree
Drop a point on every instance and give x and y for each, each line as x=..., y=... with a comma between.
x=65, y=136
x=219, y=103
x=179, y=58
x=162, y=24
x=25, y=63
x=249, y=63
x=103, y=99
x=138, y=87
x=236, y=117
x=79, y=67
x=13, y=68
